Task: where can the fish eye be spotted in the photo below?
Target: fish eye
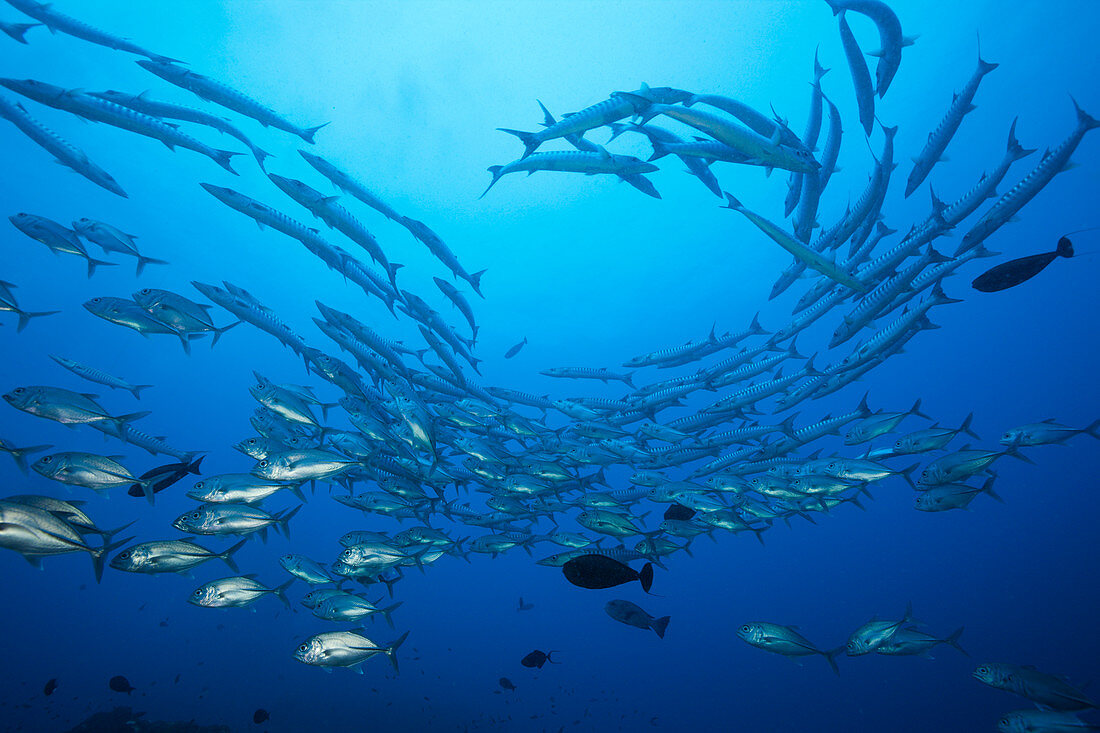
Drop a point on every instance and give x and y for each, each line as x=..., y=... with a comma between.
x=19, y=390
x=145, y=291
x=263, y=464
x=198, y=592
x=199, y=484
x=302, y=648
x=124, y=554
x=195, y=515
x=745, y=628
x=47, y=459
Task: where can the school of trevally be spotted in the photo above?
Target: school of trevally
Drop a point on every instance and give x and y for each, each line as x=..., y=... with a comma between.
x=573, y=366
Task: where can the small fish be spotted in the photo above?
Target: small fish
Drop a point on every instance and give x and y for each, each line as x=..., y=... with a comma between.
x=524, y=606
x=1042, y=721
x=506, y=684
x=118, y=683
x=1047, y=432
x=515, y=349
x=784, y=640
x=1012, y=273
x=100, y=377
x=631, y=614
x=345, y=649
x=537, y=658
x=260, y=716
x=875, y=633
x=912, y=642
x=161, y=477
x=50, y=687
x=236, y=592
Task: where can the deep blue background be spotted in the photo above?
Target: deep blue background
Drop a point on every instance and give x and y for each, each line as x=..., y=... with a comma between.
x=592, y=272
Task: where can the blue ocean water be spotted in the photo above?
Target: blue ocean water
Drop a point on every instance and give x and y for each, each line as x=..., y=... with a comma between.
x=592, y=273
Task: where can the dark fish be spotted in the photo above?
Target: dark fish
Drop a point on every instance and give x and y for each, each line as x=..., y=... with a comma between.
x=537, y=659
x=515, y=349
x=50, y=687
x=524, y=606
x=119, y=683
x=600, y=571
x=1012, y=273
x=507, y=684
x=680, y=512
x=634, y=615
x=166, y=475
x=260, y=716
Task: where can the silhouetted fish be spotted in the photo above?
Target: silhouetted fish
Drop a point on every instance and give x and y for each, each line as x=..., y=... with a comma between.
x=600, y=571
x=515, y=349
x=680, y=512
x=119, y=683
x=507, y=684
x=50, y=687
x=537, y=659
x=260, y=716
x=166, y=475
x=1012, y=273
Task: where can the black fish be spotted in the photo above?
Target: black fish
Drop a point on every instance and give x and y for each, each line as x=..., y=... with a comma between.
x=119, y=683
x=524, y=606
x=537, y=659
x=166, y=475
x=678, y=511
x=260, y=716
x=50, y=687
x=600, y=571
x=515, y=349
x=507, y=684
x=1012, y=273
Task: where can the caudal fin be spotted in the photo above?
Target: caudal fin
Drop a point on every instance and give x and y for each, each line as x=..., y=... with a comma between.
x=475, y=283
x=219, y=331
x=646, y=577
x=26, y=316
x=660, y=625
x=227, y=556
x=496, y=171
x=94, y=263
x=830, y=657
x=142, y=261
x=308, y=133
x=19, y=455
x=280, y=592
x=389, y=610
x=99, y=556
x=224, y=158
x=530, y=140
x=391, y=651
x=1015, y=151
x=137, y=388
x=953, y=640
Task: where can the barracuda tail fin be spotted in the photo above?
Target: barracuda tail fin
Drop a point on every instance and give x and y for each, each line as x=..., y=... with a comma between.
x=496, y=171
x=530, y=140
x=224, y=158
x=1015, y=150
x=308, y=133
x=475, y=283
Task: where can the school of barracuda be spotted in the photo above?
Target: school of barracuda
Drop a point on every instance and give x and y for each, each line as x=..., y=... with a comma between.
x=407, y=434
